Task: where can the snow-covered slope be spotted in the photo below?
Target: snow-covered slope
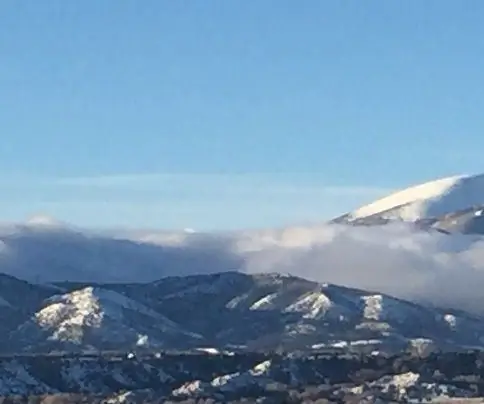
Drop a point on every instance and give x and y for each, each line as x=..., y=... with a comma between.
x=428, y=200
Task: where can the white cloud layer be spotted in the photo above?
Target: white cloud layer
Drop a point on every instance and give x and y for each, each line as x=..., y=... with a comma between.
x=398, y=260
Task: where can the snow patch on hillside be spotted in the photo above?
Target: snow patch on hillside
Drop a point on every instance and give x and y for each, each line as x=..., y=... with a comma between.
x=89, y=306
x=67, y=317
x=313, y=305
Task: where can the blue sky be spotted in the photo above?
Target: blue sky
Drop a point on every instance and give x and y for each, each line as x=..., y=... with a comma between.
x=221, y=114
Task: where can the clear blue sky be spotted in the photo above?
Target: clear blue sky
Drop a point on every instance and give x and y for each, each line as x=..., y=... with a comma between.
x=223, y=114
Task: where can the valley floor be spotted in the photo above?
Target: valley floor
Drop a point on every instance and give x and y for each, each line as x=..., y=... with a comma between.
x=243, y=378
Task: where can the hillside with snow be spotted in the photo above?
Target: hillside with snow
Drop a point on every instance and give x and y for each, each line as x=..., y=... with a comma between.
x=222, y=312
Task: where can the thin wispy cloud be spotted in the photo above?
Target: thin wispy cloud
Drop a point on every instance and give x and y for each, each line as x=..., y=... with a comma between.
x=265, y=182
x=204, y=201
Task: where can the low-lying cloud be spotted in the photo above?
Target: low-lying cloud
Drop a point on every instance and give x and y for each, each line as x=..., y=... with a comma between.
x=445, y=270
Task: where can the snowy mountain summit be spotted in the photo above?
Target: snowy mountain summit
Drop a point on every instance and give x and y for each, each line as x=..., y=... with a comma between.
x=442, y=203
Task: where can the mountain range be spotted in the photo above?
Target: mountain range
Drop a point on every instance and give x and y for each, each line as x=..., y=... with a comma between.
x=222, y=312
x=68, y=289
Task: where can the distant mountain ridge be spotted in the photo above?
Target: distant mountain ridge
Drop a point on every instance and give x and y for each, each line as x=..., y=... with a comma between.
x=222, y=311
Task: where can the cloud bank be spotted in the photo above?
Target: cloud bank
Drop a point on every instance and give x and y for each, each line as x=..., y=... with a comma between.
x=399, y=260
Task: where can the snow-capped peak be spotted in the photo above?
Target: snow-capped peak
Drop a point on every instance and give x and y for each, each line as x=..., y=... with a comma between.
x=428, y=200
